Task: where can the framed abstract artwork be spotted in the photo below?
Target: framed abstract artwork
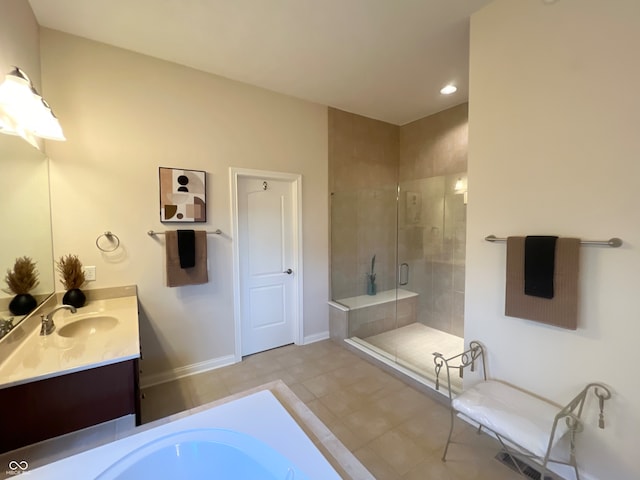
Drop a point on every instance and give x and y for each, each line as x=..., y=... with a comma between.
x=183, y=195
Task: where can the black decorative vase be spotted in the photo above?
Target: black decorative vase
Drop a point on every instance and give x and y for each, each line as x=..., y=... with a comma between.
x=74, y=297
x=22, y=304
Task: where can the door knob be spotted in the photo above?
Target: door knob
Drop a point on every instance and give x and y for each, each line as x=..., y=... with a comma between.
x=288, y=271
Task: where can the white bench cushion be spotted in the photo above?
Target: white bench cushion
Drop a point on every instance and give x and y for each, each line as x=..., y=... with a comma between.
x=512, y=413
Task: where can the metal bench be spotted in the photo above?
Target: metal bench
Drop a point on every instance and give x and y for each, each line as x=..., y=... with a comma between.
x=524, y=424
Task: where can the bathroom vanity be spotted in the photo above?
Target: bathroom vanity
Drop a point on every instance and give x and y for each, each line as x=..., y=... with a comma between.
x=83, y=373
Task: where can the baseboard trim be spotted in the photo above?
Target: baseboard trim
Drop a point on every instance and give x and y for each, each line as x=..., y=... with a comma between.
x=316, y=337
x=179, y=372
x=201, y=367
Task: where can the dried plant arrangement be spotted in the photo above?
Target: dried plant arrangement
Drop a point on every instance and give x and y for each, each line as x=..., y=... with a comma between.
x=71, y=274
x=24, y=276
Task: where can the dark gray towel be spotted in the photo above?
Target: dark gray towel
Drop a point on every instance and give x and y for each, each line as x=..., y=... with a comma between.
x=539, y=265
x=187, y=248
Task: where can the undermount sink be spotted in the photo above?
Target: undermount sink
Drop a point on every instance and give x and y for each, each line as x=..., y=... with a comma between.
x=88, y=326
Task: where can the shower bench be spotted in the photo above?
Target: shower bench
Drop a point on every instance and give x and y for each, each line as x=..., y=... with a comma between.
x=524, y=423
x=366, y=315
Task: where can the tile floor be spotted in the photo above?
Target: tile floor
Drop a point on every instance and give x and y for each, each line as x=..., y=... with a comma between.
x=396, y=431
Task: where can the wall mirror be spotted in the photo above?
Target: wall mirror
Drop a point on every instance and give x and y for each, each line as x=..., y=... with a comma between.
x=25, y=217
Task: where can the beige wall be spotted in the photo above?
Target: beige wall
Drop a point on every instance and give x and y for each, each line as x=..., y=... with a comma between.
x=19, y=39
x=554, y=149
x=125, y=115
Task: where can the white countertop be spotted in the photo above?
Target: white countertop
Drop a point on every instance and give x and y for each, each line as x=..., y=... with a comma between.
x=40, y=357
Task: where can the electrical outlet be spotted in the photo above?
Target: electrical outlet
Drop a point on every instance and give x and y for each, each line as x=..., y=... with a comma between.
x=89, y=273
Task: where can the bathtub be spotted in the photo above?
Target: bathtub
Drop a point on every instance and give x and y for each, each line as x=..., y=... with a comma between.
x=252, y=437
x=204, y=454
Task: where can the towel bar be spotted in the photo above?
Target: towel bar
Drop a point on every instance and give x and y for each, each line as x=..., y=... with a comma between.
x=612, y=242
x=152, y=233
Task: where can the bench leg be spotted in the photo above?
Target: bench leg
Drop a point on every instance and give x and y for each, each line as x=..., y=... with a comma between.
x=572, y=457
x=511, y=457
x=572, y=453
x=446, y=448
x=543, y=471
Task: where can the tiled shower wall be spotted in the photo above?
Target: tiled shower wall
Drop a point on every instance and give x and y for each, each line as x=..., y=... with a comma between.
x=363, y=176
x=431, y=240
x=433, y=156
x=426, y=228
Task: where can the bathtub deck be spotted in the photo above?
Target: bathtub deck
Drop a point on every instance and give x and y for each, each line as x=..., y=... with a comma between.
x=257, y=413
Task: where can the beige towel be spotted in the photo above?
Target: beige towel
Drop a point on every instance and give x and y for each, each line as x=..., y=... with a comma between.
x=562, y=309
x=176, y=276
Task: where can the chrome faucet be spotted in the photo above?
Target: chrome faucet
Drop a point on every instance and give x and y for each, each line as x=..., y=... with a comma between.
x=47, y=320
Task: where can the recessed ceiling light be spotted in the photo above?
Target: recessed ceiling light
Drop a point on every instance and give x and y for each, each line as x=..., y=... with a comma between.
x=448, y=89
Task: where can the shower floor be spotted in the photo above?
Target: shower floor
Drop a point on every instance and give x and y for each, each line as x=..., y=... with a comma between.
x=412, y=347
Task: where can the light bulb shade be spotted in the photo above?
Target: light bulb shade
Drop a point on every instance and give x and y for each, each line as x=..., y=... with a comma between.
x=45, y=124
x=24, y=112
x=448, y=89
x=7, y=123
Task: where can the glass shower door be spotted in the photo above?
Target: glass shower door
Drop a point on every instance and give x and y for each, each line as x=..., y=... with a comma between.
x=397, y=269
x=431, y=246
x=364, y=264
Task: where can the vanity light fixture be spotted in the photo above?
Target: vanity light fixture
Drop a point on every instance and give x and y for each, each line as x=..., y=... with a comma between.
x=448, y=89
x=24, y=112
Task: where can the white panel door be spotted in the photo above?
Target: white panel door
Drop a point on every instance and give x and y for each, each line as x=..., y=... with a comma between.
x=266, y=262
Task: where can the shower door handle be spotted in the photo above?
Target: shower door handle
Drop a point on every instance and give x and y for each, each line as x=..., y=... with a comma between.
x=403, y=275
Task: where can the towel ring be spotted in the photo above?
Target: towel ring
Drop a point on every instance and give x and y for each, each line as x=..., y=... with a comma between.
x=112, y=237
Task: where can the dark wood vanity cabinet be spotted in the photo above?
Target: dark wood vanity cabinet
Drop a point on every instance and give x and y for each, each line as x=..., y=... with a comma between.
x=44, y=409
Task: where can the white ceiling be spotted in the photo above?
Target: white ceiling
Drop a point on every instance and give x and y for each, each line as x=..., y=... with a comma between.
x=384, y=59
